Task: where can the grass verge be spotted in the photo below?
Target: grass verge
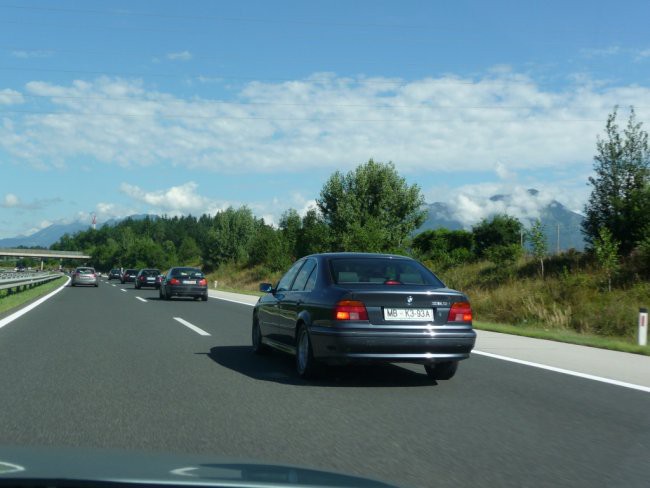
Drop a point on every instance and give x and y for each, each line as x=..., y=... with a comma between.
x=15, y=300
x=612, y=343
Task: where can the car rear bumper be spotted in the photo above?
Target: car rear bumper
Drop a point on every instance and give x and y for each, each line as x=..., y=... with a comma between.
x=187, y=291
x=342, y=346
x=84, y=282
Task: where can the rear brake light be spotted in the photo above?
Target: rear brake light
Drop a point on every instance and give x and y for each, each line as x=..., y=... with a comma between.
x=203, y=282
x=174, y=281
x=350, y=310
x=392, y=282
x=460, y=312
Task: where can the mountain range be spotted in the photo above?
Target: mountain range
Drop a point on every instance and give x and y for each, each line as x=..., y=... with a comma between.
x=553, y=216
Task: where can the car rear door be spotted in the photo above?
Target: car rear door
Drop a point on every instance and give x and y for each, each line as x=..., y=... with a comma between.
x=293, y=301
x=272, y=322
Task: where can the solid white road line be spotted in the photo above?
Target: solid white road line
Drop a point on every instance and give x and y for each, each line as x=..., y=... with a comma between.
x=233, y=301
x=141, y=299
x=191, y=326
x=564, y=371
x=23, y=311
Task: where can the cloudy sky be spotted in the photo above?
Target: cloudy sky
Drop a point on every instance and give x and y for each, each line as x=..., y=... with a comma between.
x=122, y=107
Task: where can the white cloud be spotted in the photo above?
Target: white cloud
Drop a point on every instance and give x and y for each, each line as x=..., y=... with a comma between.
x=445, y=124
x=502, y=171
x=180, y=56
x=22, y=54
x=10, y=97
x=10, y=201
x=643, y=54
x=176, y=200
x=601, y=51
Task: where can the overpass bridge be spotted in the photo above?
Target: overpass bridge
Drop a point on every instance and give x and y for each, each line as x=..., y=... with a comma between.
x=43, y=254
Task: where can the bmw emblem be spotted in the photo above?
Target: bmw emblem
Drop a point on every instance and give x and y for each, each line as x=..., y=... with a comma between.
x=409, y=299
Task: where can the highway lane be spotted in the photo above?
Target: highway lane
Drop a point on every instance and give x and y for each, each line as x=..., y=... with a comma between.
x=100, y=368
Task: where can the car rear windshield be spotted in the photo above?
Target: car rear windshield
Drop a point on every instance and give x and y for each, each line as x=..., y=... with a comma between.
x=85, y=270
x=379, y=271
x=150, y=272
x=187, y=272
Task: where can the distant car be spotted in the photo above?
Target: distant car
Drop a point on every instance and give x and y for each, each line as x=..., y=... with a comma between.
x=84, y=276
x=338, y=308
x=159, y=279
x=146, y=277
x=129, y=276
x=114, y=274
x=184, y=282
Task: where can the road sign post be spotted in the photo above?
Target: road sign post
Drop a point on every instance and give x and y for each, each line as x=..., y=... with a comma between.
x=643, y=326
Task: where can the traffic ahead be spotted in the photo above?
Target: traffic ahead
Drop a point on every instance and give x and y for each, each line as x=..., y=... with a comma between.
x=115, y=367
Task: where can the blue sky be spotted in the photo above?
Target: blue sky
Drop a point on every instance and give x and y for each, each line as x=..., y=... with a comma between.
x=123, y=107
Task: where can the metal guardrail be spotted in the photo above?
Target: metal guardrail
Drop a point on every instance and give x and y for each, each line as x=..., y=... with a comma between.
x=25, y=280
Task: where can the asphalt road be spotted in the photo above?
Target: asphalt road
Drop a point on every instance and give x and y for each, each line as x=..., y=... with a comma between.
x=98, y=367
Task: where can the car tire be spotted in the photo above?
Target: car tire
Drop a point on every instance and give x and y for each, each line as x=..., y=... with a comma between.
x=256, y=338
x=204, y=298
x=441, y=371
x=306, y=365
x=160, y=295
x=96, y=285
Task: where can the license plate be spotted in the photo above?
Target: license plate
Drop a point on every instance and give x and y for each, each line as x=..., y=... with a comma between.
x=409, y=314
x=149, y=279
x=189, y=282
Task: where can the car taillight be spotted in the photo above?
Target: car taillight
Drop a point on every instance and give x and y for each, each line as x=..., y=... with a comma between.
x=392, y=282
x=350, y=310
x=203, y=282
x=174, y=281
x=141, y=278
x=460, y=312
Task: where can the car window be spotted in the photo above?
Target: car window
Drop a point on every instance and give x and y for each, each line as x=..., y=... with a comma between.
x=382, y=270
x=285, y=281
x=187, y=273
x=303, y=275
x=311, y=281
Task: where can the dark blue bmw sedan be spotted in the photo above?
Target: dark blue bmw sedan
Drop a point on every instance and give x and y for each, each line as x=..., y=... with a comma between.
x=338, y=308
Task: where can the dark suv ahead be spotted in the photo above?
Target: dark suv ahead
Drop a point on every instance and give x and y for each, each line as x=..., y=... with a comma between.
x=128, y=276
x=184, y=281
x=147, y=277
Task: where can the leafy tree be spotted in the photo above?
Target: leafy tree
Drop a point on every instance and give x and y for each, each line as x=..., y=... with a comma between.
x=371, y=208
x=314, y=235
x=290, y=228
x=188, y=251
x=618, y=199
x=503, y=255
x=537, y=239
x=268, y=248
x=230, y=237
x=444, y=247
x=606, y=251
x=501, y=230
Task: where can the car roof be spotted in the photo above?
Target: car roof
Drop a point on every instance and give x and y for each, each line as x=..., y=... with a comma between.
x=357, y=255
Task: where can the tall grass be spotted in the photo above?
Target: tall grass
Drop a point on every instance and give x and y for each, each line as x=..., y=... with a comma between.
x=569, y=299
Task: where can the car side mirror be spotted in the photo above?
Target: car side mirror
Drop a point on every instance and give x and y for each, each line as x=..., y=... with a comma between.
x=266, y=287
